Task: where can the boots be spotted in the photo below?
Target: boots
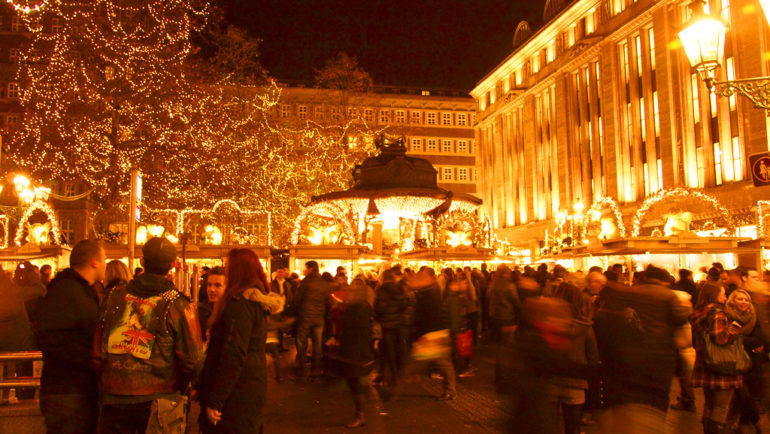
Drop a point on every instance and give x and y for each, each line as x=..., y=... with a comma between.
x=358, y=422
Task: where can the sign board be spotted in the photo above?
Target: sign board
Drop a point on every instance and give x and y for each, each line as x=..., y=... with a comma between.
x=760, y=168
x=138, y=188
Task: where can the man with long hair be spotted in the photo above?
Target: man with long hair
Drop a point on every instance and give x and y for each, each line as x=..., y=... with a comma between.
x=148, y=348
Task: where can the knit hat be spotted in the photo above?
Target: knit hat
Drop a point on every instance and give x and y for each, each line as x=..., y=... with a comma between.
x=159, y=253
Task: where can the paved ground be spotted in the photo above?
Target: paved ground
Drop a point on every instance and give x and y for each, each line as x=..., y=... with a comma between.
x=326, y=406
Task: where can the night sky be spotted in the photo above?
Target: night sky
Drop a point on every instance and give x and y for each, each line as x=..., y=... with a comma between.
x=422, y=43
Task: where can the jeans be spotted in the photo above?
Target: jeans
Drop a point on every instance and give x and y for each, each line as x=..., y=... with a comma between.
x=125, y=418
x=721, y=412
x=395, y=347
x=69, y=413
x=314, y=331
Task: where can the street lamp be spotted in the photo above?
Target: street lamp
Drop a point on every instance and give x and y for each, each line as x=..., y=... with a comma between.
x=704, y=43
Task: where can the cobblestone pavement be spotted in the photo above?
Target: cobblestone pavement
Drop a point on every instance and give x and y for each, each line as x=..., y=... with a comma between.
x=326, y=406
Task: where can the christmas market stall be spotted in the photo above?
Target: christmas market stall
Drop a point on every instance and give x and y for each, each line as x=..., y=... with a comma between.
x=676, y=228
x=396, y=210
x=203, y=237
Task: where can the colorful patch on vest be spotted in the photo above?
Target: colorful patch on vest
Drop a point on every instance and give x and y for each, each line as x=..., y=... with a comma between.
x=129, y=335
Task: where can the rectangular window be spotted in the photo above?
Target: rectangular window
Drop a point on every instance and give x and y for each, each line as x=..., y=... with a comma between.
x=400, y=116
x=431, y=146
x=571, y=36
x=475, y=174
x=416, y=145
x=13, y=55
x=368, y=115
x=536, y=63
x=462, y=120
x=335, y=116
x=447, y=173
x=462, y=174
x=68, y=231
x=590, y=22
x=70, y=189
x=319, y=113
x=285, y=111
x=550, y=52
x=13, y=91
x=16, y=24
x=384, y=116
x=446, y=119
x=446, y=147
x=11, y=120
x=55, y=25
x=415, y=117
x=302, y=112
x=462, y=147
x=431, y=118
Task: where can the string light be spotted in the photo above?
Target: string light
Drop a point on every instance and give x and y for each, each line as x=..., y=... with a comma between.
x=27, y=7
x=44, y=207
x=181, y=217
x=113, y=90
x=680, y=193
x=761, y=205
x=407, y=206
x=606, y=201
x=4, y=222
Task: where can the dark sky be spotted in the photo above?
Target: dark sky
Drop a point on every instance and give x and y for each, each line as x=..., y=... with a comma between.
x=423, y=43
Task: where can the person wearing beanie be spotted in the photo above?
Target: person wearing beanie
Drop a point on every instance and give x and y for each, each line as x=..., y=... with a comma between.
x=148, y=348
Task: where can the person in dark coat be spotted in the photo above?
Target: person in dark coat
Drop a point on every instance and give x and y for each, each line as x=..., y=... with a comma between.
x=233, y=383
x=354, y=357
x=15, y=327
x=635, y=330
x=65, y=334
x=393, y=308
x=504, y=305
x=429, y=320
x=311, y=299
x=686, y=284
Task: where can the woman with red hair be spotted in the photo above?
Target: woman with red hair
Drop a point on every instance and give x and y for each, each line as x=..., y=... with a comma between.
x=234, y=377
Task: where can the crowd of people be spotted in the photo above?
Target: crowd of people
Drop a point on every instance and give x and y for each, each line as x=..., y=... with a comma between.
x=125, y=353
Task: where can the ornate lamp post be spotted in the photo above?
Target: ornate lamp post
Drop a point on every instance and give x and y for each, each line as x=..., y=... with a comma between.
x=704, y=42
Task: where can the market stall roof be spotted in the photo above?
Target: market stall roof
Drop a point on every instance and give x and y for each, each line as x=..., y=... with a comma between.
x=673, y=244
x=328, y=252
x=458, y=253
x=29, y=252
x=393, y=174
x=192, y=251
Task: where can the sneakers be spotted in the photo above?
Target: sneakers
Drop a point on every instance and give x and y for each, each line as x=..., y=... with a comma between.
x=358, y=422
x=683, y=405
x=446, y=396
x=470, y=372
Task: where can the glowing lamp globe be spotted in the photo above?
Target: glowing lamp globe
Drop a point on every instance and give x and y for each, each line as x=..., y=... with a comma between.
x=704, y=43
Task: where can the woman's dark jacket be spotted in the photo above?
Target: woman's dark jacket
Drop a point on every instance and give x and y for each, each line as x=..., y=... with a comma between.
x=234, y=378
x=356, y=350
x=393, y=305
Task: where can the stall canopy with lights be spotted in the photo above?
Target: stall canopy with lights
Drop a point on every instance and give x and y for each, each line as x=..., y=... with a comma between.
x=394, y=206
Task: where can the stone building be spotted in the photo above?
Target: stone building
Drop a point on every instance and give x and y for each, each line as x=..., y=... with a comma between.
x=601, y=101
x=437, y=124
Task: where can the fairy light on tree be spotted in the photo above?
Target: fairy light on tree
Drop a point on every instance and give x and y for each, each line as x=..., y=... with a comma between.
x=120, y=86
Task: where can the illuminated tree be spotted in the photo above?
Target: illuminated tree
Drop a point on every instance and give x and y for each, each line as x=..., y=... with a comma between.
x=122, y=85
x=113, y=89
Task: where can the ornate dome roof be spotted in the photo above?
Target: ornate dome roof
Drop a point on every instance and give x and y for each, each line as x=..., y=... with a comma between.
x=522, y=33
x=553, y=7
x=393, y=169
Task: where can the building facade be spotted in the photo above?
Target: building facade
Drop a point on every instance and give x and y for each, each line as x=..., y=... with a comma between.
x=602, y=102
x=437, y=124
